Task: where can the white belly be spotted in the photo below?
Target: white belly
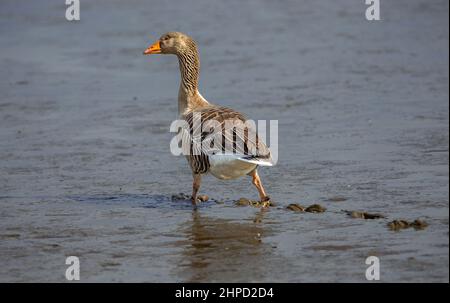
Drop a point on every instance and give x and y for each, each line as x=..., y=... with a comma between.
x=229, y=167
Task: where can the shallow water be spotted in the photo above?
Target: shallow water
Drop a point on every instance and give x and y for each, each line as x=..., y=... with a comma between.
x=85, y=162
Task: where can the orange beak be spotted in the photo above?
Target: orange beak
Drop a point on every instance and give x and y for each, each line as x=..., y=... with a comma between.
x=153, y=49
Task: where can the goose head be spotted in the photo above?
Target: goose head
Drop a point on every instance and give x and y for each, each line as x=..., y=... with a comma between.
x=175, y=43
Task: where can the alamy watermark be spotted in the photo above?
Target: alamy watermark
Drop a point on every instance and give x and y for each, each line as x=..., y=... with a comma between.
x=197, y=136
x=373, y=11
x=73, y=271
x=73, y=10
x=373, y=271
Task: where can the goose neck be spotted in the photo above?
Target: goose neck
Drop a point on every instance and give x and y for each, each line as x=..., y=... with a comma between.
x=188, y=95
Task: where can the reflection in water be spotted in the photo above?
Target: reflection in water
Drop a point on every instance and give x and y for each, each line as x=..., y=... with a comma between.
x=224, y=250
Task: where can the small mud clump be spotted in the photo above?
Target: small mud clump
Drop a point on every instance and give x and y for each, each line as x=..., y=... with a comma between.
x=254, y=203
x=403, y=224
x=364, y=215
x=315, y=208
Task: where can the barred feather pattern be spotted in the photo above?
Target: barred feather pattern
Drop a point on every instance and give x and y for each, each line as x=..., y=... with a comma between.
x=200, y=142
x=189, y=67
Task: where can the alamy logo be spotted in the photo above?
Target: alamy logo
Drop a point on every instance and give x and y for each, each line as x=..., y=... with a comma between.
x=373, y=271
x=73, y=10
x=199, y=134
x=373, y=11
x=73, y=271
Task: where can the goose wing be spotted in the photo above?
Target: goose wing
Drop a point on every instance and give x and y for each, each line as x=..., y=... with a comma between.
x=223, y=131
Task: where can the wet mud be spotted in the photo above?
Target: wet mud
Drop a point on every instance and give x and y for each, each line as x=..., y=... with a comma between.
x=86, y=169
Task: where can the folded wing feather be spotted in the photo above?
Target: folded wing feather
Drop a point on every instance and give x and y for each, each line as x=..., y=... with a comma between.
x=220, y=131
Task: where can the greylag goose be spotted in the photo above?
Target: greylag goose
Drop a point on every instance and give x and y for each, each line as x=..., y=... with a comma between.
x=228, y=161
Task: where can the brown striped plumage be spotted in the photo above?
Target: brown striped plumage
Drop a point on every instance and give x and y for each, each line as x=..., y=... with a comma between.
x=239, y=144
x=228, y=153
